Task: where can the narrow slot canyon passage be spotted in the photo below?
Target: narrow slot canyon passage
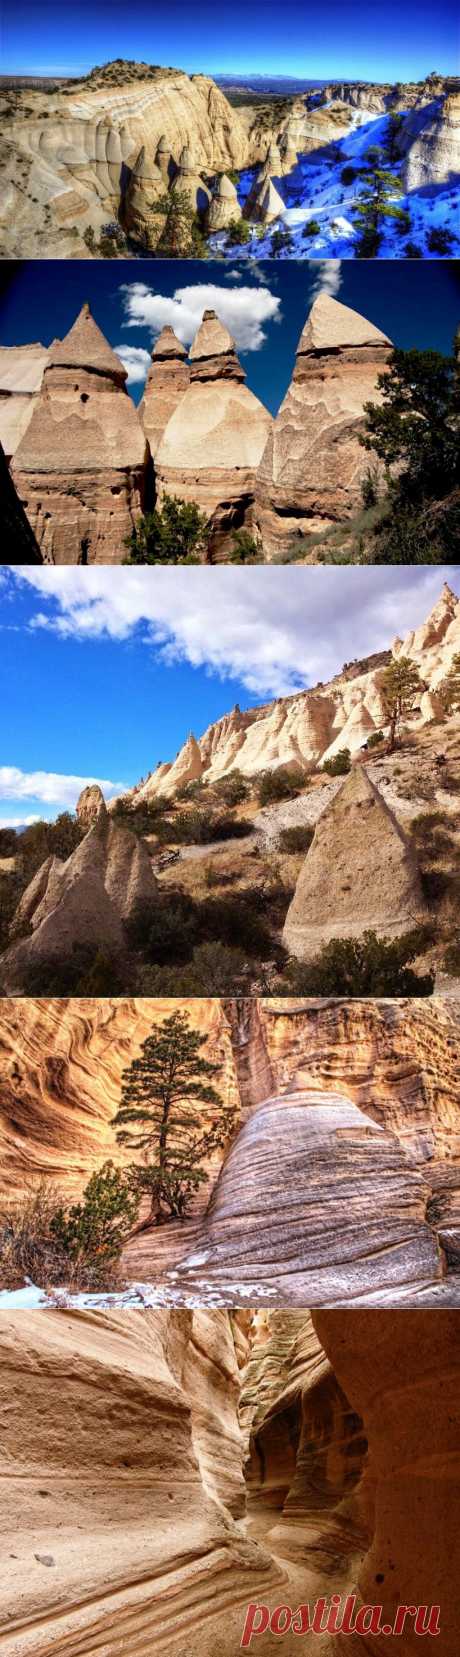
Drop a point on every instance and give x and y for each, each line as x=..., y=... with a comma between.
x=163, y=1470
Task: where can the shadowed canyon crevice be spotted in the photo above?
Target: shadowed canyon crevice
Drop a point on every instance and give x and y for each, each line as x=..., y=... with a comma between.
x=163, y=1469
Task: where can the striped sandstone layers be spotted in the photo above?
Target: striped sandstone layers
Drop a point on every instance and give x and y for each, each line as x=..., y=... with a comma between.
x=80, y=467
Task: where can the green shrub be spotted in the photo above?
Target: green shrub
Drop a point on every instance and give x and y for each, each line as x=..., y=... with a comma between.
x=232, y=788
x=311, y=228
x=375, y=738
x=93, y=1232
x=278, y=785
x=296, y=839
x=348, y=175
x=214, y=970
x=339, y=764
x=367, y=966
x=77, y=1248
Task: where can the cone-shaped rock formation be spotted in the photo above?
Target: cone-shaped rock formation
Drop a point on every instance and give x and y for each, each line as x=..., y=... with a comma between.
x=359, y=874
x=80, y=467
x=82, y=904
x=145, y=187
x=223, y=207
x=167, y=381
x=312, y=468
x=212, y=446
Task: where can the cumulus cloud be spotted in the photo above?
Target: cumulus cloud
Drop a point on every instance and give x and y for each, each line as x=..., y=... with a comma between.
x=274, y=631
x=328, y=277
x=244, y=310
x=50, y=786
x=136, y=361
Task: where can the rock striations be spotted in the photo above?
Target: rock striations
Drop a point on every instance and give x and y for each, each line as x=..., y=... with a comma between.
x=211, y=448
x=313, y=465
x=134, y=1520
x=372, y=876
x=79, y=468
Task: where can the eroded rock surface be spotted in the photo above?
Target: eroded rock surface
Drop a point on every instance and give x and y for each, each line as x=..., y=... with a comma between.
x=360, y=874
x=79, y=469
x=313, y=465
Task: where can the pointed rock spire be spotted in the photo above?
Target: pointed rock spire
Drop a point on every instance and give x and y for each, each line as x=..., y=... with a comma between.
x=167, y=381
x=312, y=469
x=85, y=347
x=360, y=874
x=213, y=355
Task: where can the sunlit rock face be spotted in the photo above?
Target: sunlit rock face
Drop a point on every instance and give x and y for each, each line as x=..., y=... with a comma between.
x=19, y=542
x=315, y=1204
x=80, y=467
x=360, y=874
x=212, y=445
x=311, y=726
x=167, y=381
x=313, y=465
x=21, y=373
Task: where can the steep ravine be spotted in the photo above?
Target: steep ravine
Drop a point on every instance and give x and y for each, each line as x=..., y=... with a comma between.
x=191, y=1463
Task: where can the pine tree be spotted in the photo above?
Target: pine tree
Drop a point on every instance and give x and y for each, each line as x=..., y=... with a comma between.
x=450, y=688
x=374, y=203
x=400, y=685
x=172, y=1114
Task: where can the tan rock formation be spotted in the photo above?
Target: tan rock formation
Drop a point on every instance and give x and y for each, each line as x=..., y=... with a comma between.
x=90, y=805
x=210, y=450
x=18, y=540
x=359, y=874
x=80, y=467
x=223, y=207
x=144, y=189
x=130, y=1486
x=312, y=467
x=167, y=381
x=189, y=182
x=84, y=903
x=298, y=1158
x=21, y=372
x=312, y=725
x=430, y=143
x=401, y=1373
x=264, y=203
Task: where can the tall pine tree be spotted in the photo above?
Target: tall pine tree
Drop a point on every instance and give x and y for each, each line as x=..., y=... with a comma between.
x=171, y=1113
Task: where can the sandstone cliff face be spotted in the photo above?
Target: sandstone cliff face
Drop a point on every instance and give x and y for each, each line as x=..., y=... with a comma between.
x=125, y=1512
x=359, y=874
x=80, y=467
x=430, y=143
x=312, y=725
x=312, y=467
x=212, y=445
x=21, y=373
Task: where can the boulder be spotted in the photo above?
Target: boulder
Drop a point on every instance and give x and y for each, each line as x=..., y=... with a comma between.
x=312, y=468
x=80, y=467
x=360, y=874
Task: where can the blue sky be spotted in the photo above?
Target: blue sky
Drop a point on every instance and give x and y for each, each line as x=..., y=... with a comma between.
x=415, y=303
x=386, y=41
x=104, y=677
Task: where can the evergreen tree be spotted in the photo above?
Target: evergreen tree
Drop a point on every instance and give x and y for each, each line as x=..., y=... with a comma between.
x=172, y=534
x=180, y=234
x=450, y=688
x=173, y=1115
x=416, y=427
x=400, y=685
x=92, y=1233
x=375, y=204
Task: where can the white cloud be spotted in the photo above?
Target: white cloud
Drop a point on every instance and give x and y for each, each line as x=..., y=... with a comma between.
x=328, y=277
x=50, y=786
x=135, y=360
x=242, y=309
x=18, y=822
x=275, y=630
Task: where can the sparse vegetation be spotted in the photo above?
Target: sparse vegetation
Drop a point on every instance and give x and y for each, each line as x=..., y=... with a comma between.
x=367, y=966
x=78, y=1248
x=282, y=784
x=296, y=839
x=339, y=764
x=172, y=1115
x=174, y=533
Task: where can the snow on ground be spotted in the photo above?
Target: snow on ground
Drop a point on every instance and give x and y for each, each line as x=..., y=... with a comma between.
x=31, y=1298
x=314, y=190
